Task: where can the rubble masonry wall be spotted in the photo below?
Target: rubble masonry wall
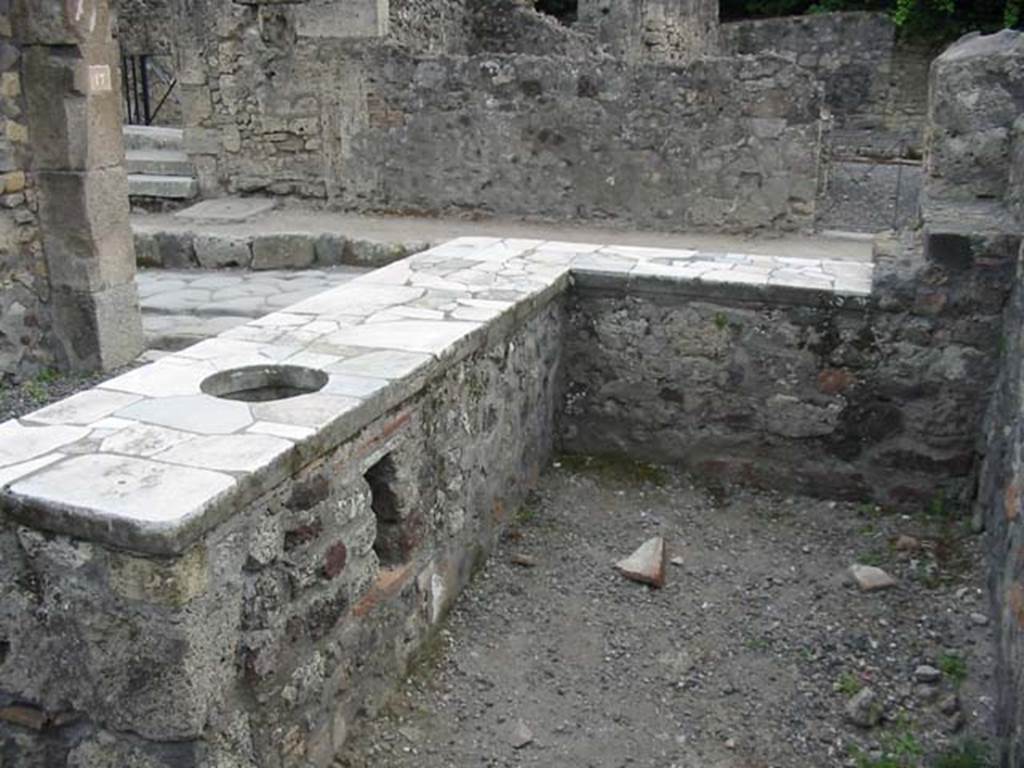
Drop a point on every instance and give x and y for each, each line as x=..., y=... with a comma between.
x=258, y=644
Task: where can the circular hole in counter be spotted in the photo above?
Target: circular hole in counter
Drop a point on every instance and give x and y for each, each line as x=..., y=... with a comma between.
x=264, y=383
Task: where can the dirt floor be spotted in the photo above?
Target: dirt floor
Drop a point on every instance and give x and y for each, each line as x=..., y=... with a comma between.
x=749, y=657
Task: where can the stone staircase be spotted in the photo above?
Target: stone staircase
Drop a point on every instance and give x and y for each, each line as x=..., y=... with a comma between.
x=158, y=168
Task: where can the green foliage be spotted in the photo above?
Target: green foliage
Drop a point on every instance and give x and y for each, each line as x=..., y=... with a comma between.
x=900, y=749
x=954, y=667
x=848, y=684
x=969, y=754
x=930, y=20
x=1012, y=16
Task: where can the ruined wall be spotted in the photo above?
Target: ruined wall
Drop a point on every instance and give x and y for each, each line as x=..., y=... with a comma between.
x=24, y=292
x=513, y=26
x=430, y=25
x=652, y=30
x=977, y=92
x=260, y=643
x=147, y=26
x=1000, y=506
x=721, y=143
x=879, y=399
x=876, y=92
x=851, y=53
x=973, y=136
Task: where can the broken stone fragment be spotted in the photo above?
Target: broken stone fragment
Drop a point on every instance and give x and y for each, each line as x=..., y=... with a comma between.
x=521, y=735
x=864, y=709
x=907, y=543
x=950, y=705
x=870, y=579
x=647, y=564
x=927, y=674
x=524, y=561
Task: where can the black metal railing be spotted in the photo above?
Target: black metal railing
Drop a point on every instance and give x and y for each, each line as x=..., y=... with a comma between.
x=140, y=77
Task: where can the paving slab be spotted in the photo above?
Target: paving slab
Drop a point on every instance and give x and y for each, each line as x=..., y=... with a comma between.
x=376, y=240
x=227, y=209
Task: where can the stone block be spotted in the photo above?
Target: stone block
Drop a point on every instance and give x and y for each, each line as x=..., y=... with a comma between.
x=371, y=253
x=147, y=254
x=15, y=132
x=97, y=331
x=330, y=249
x=196, y=104
x=175, y=249
x=58, y=22
x=283, y=252
x=161, y=582
x=14, y=182
x=217, y=251
x=976, y=94
x=88, y=240
x=10, y=85
x=202, y=141
x=75, y=115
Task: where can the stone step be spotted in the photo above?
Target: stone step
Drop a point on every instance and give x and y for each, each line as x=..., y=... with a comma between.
x=166, y=187
x=158, y=162
x=153, y=137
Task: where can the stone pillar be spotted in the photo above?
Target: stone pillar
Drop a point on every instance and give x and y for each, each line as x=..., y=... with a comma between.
x=673, y=31
x=976, y=92
x=70, y=78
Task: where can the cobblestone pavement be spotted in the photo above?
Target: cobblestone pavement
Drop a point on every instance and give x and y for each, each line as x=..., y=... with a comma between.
x=180, y=307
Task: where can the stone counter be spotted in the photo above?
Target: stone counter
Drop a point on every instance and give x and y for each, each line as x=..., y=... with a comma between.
x=196, y=581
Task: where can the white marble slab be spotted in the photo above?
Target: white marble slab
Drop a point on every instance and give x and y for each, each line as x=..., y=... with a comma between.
x=146, y=460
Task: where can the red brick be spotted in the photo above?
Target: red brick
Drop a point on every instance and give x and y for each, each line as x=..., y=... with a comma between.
x=1011, y=501
x=832, y=381
x=26, y=717
x=335, y=559
x=390, y=581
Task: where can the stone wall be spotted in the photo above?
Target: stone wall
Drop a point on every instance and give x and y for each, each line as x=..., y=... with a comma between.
x=1015, y=189
x=512, y=26
x=653, y=30
x=261, y=642
x=979, y=152
x=876, y=91
x=430, y=25
x=851, y=53
x=879, y=399
x=721, y=143
x=25, y=346
x=147, y=26
x=999, y=508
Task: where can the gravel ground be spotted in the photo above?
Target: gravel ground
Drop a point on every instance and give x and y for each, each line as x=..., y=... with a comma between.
x=16, y=400
x=748, y=658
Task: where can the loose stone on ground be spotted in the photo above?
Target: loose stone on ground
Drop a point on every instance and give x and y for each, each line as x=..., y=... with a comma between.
x=647, y=564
